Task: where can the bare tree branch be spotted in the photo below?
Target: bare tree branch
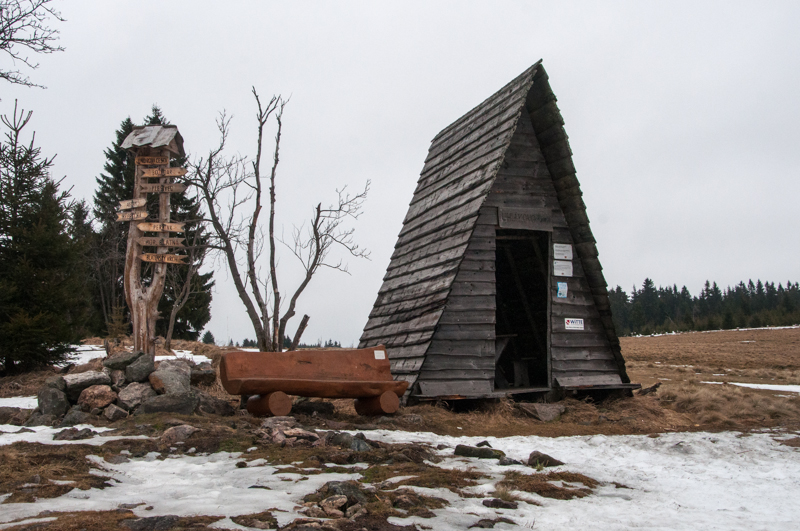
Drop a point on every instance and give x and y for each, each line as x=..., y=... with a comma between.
x=23, y=29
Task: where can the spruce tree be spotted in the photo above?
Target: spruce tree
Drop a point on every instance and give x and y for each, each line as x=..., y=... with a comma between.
x=43, y=301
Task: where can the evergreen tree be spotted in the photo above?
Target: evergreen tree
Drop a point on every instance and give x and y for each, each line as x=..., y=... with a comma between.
x=208, y=338
x=115, y=185
x=42, y=297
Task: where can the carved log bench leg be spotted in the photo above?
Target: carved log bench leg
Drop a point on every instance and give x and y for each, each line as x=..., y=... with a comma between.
x=385, y=404
x=275, y=404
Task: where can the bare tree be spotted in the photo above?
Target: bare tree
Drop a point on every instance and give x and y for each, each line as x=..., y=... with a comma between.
x=233, y=192
x=24, y=30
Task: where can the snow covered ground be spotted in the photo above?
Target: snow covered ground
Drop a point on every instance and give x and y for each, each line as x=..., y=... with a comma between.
x=768, y=387
x=676, y=481
x=86, y=353
x=24, y=402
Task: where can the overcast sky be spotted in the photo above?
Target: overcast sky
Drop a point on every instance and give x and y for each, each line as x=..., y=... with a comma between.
x=684, y=118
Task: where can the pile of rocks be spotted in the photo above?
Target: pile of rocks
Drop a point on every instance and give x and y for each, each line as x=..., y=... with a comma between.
x=129, y=383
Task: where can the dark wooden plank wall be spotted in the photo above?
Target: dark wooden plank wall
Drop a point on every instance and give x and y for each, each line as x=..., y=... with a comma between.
x=435, y=239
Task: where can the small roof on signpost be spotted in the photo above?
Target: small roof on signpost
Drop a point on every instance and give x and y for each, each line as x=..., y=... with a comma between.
x=155, y=136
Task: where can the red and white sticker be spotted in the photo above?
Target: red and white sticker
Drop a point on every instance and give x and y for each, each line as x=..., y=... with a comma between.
x=570, y=323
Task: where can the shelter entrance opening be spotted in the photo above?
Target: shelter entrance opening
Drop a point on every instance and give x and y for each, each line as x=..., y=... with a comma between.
x=523, y=303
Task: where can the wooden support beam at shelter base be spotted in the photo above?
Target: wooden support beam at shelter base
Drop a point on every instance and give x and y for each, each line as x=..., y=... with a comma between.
x=495, y=287
x=270, y=377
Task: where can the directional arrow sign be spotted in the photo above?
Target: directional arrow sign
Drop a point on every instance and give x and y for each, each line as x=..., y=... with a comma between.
x=162, y=188
x=162, y=258
x=132, y=203
x=135, y=215
x=161, y=242
x=161, y=227
x=152, y=161
x=164, y=172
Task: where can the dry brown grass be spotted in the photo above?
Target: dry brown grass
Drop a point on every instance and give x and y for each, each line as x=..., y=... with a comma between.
x=109, y=520
x=427, y=476
x=556, y=485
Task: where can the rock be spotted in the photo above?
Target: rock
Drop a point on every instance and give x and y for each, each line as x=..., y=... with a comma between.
x=97, y=396
x=76, y=383
x=56, y=382
x=314, y=512
x=483, y=444
x=300, y=433
x=152, y=523
x=347, y=441
x=543, y=412
x=96, y=411
x=353, y=510
x=540, y=459
x=52, y=401
x=349, y=489
x=114, y=413
x=212, y=405
x=404, y=501
x=184, y=404
x=282, y=423
x=121, y=360
x=76, y=416
x=37, y=419
x=480, y=453
x=139, y=370
x=360, y=445
x=497, y=503
x=74, y=434
x=171, y=378
x=332, y=505
x=14, y=415
x=118, y=378
x=507, y=461
x=118, y=460
x=134, y=394
x=411, y=419
x=177, y=434
x=203, y=376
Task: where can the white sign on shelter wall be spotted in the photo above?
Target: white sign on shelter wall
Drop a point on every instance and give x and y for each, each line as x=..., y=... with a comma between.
x=562, y=268
x=562, y=251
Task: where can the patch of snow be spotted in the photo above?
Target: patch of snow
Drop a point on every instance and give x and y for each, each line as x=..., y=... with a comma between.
x=24, y=402
x=84, y=354
x=29, y=521
x=185, y=355
x=768, y=387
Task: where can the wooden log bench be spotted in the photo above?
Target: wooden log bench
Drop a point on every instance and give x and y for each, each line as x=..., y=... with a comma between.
x=270, y=377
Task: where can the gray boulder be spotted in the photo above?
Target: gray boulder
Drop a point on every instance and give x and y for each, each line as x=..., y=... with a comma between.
x=75, y=383
x=14, y=415
x=56, y=382
x=37, y=419
x=117, y=378
x=543, y=412
x=52, y=401
x=480, y=453
x=121, y=360
x=134, y=394
x=171, y=378
x=211, y=405
x=76, y=416
x=183, y=404
x=139, y=370
x=203, y=374
x=113, y=412
x=540, y=459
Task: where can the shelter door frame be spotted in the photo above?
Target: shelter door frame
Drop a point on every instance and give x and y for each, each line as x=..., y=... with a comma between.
x=524, y=284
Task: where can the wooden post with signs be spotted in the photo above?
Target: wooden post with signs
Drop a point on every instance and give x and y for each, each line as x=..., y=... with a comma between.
x=153, y=146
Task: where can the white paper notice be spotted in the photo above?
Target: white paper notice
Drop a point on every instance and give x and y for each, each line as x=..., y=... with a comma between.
x=562, y=290
x=380, y=355
x=562, y=268
x=573, y=324
x=562, y=251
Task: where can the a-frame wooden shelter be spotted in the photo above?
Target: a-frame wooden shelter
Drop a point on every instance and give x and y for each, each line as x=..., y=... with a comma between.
x=495, y=286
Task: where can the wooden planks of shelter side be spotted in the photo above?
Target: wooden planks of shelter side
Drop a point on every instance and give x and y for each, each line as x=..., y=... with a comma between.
x=494, y=286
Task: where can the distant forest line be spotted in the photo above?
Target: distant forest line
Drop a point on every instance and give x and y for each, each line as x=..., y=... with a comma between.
x=656, y=310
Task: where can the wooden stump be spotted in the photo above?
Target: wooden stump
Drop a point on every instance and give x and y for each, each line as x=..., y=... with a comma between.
x=385, y=404
x=277, y=404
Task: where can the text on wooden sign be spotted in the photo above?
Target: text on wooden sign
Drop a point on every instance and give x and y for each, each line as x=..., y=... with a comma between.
x=161, y=242
x=162, y=188
x=164, y=172
x=161, y=227
x=131, y=216
x=132, y=203
x=152, y=161
x=162, y=258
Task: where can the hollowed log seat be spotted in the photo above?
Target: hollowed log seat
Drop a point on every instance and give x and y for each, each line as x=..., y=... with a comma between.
x=269, y=377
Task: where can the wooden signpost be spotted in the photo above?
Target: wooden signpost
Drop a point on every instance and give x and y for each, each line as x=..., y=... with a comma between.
x=132, y=203
x=153, y=146
x=161, y=227
x=135, y=215
x=161, y=242
x=162, y=258
x=162, y=188
x=164, y=172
